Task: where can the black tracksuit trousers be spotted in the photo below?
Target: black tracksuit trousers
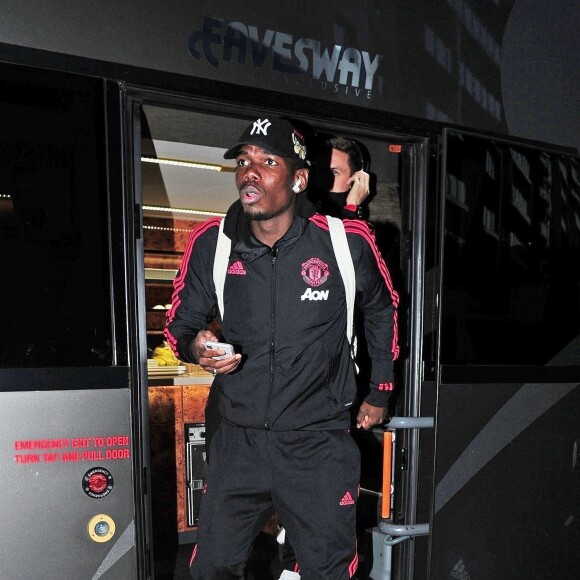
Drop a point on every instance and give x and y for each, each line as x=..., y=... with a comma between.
x=310, y=478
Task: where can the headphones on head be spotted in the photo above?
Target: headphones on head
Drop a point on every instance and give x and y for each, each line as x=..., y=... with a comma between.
x=356, y=152
x=296, y=186
x=364, y=160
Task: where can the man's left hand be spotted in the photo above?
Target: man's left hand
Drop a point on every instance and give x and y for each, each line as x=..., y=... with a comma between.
x=370, y=416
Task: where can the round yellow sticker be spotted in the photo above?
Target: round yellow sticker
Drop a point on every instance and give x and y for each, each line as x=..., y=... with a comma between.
x=101, y=528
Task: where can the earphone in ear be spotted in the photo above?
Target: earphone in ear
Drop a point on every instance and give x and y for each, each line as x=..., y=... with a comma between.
x=296, y=187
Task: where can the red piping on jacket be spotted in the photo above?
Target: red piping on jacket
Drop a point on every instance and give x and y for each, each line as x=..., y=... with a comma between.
x=179, y=281
x=361, y=228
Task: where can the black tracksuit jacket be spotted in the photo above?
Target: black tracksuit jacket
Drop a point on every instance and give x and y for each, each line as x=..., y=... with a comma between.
x=285, y=312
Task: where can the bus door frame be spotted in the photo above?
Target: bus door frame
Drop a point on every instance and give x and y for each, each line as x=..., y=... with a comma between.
x=416, y=156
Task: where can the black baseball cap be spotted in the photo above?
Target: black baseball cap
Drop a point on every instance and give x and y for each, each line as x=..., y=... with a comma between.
x=273, y=134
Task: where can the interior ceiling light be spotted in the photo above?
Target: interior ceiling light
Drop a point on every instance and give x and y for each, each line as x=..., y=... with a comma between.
x=182, y=210
x=166, y=229
x=193, y=164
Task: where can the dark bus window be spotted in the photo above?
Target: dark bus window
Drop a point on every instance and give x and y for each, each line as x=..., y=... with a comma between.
x=54, y=295
x=511, y=266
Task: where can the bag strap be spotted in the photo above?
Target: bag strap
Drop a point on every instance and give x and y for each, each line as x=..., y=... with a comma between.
x=346, y=267
x=220, y=265
x=341, y=251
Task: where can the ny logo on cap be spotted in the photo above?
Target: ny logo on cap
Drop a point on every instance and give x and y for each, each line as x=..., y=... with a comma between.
x=260, y=127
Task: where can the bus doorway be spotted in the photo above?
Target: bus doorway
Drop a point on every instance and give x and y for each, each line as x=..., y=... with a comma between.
x=181, y=180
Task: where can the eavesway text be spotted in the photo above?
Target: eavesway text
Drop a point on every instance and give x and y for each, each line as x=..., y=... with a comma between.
x=342, y=68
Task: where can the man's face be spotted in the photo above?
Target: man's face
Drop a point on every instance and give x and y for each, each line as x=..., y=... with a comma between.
x=265, y=182
x=340, y=170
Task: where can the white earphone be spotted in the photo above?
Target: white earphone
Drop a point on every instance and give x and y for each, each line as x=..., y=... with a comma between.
x=296, y=187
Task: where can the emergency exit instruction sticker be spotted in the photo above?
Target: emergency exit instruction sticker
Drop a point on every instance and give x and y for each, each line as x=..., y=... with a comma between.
x=71, y=450
x=98, y=482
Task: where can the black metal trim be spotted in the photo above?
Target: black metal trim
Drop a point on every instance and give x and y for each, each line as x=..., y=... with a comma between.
x=475, y=374
x=238, y=94
x=64, y=379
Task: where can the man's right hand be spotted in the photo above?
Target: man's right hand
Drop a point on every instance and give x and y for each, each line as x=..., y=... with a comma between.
x=360, y=188
x=207, y=363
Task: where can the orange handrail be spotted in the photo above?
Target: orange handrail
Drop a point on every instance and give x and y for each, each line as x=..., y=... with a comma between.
x=387, y=474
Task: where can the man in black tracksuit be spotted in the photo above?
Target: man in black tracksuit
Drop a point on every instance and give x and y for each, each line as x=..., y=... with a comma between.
x=284, y=398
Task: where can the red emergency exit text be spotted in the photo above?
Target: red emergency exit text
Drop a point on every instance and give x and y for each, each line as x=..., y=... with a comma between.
x=96, y=448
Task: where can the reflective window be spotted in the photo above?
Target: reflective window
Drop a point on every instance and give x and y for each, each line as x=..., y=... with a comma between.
x=511, y=267
x=54, y=295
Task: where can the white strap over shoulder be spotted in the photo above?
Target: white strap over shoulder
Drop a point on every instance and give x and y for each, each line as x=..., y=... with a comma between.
x=341, y=251
x=220, y=265
x=346, y=267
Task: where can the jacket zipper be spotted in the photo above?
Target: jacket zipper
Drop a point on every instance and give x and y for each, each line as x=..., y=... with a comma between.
x=273, y=255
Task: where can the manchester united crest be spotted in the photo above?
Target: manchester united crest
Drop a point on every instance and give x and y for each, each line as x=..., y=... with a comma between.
x=315, y=272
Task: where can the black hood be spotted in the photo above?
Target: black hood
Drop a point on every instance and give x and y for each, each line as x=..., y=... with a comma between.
x=237, y=227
